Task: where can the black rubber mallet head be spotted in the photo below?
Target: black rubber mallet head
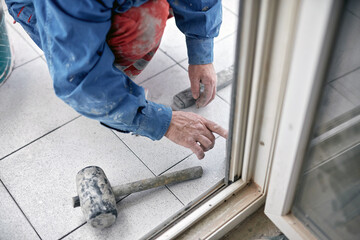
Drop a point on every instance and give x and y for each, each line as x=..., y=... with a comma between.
x=98, y=199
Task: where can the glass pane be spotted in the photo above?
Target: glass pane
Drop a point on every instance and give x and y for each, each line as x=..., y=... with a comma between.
x=328, y=195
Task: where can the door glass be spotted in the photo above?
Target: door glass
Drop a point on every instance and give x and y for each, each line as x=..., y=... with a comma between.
x=328, y=195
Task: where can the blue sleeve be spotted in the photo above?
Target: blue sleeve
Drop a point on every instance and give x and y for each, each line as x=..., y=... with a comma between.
x=73, y=37
x=200, y=22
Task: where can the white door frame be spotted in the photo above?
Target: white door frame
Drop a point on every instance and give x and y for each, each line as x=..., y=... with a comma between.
x=314, y=37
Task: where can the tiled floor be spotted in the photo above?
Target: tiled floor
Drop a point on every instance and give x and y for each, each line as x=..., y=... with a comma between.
x=44, y=143
x=342, y=91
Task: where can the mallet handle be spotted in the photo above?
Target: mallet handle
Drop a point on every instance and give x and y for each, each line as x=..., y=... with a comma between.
x=165, y=179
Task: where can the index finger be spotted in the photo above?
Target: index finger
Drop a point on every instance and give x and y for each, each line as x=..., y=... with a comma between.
x=216, y=129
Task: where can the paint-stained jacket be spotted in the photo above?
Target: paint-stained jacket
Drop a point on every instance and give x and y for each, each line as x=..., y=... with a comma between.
x=72, y=35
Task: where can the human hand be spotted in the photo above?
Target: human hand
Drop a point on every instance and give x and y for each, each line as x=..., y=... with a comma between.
x=193, y=131
x=206, y=75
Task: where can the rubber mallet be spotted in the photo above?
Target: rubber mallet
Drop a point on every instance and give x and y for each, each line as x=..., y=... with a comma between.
x=184, y=99
x=98, y=199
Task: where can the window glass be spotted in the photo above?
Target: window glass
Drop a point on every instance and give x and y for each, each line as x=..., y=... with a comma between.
x=328, y=194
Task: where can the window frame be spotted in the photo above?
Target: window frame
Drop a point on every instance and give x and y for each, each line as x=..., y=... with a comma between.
x=269, y=58
x=306, y=78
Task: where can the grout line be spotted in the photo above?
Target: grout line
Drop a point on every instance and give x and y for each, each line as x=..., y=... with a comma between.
x=218, y=40
x=230, y=10
x=172, y=57
x=176, y=164
x=26, y=41
x=72, y=231
x=352, y=13
x=24, y=63
x=157, y=74
x=20, y=209
x=151, y=170
x=31, y=142
x=174, y=195
x=182, y=65
x=222, y=98
x=331, y=85
x=81, y=225
x=345, y=74
x=133, y=153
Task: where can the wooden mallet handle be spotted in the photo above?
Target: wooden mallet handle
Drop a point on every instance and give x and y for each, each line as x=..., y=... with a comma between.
x=165, y=179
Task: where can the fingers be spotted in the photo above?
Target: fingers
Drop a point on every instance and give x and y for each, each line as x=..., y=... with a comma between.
x=216, y=129
x=206, y=75
x=199, y=152
x=205, y=142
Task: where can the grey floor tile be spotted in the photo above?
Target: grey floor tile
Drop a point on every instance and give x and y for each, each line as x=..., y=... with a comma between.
x=22, y=33
x=137, y=215
x=225, y=93
x=349, y=87
x=229, y=24
x=41, y=176
x=161, y=155
x=214, y=171
x=13, y=224
x=354, y=7
x=156, y=155
x=23, y=52
x=173, y=41
x=232, y=5
x=217, y=111
x=29, y=107
x=333, y=105
x=346, y=57
x=159, y=63
x=164, y=86
x=224, y=53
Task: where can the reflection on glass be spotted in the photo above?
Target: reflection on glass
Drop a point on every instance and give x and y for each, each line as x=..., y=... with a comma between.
x=328, y=195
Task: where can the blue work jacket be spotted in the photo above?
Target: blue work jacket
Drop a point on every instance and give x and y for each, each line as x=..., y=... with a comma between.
x=72, y=35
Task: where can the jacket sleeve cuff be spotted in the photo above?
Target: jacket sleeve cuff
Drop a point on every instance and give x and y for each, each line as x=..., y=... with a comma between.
x=155, y=121
x=200, y=51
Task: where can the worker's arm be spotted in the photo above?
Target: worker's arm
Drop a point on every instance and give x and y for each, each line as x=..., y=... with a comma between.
x=200, y=22
x=73, y=38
